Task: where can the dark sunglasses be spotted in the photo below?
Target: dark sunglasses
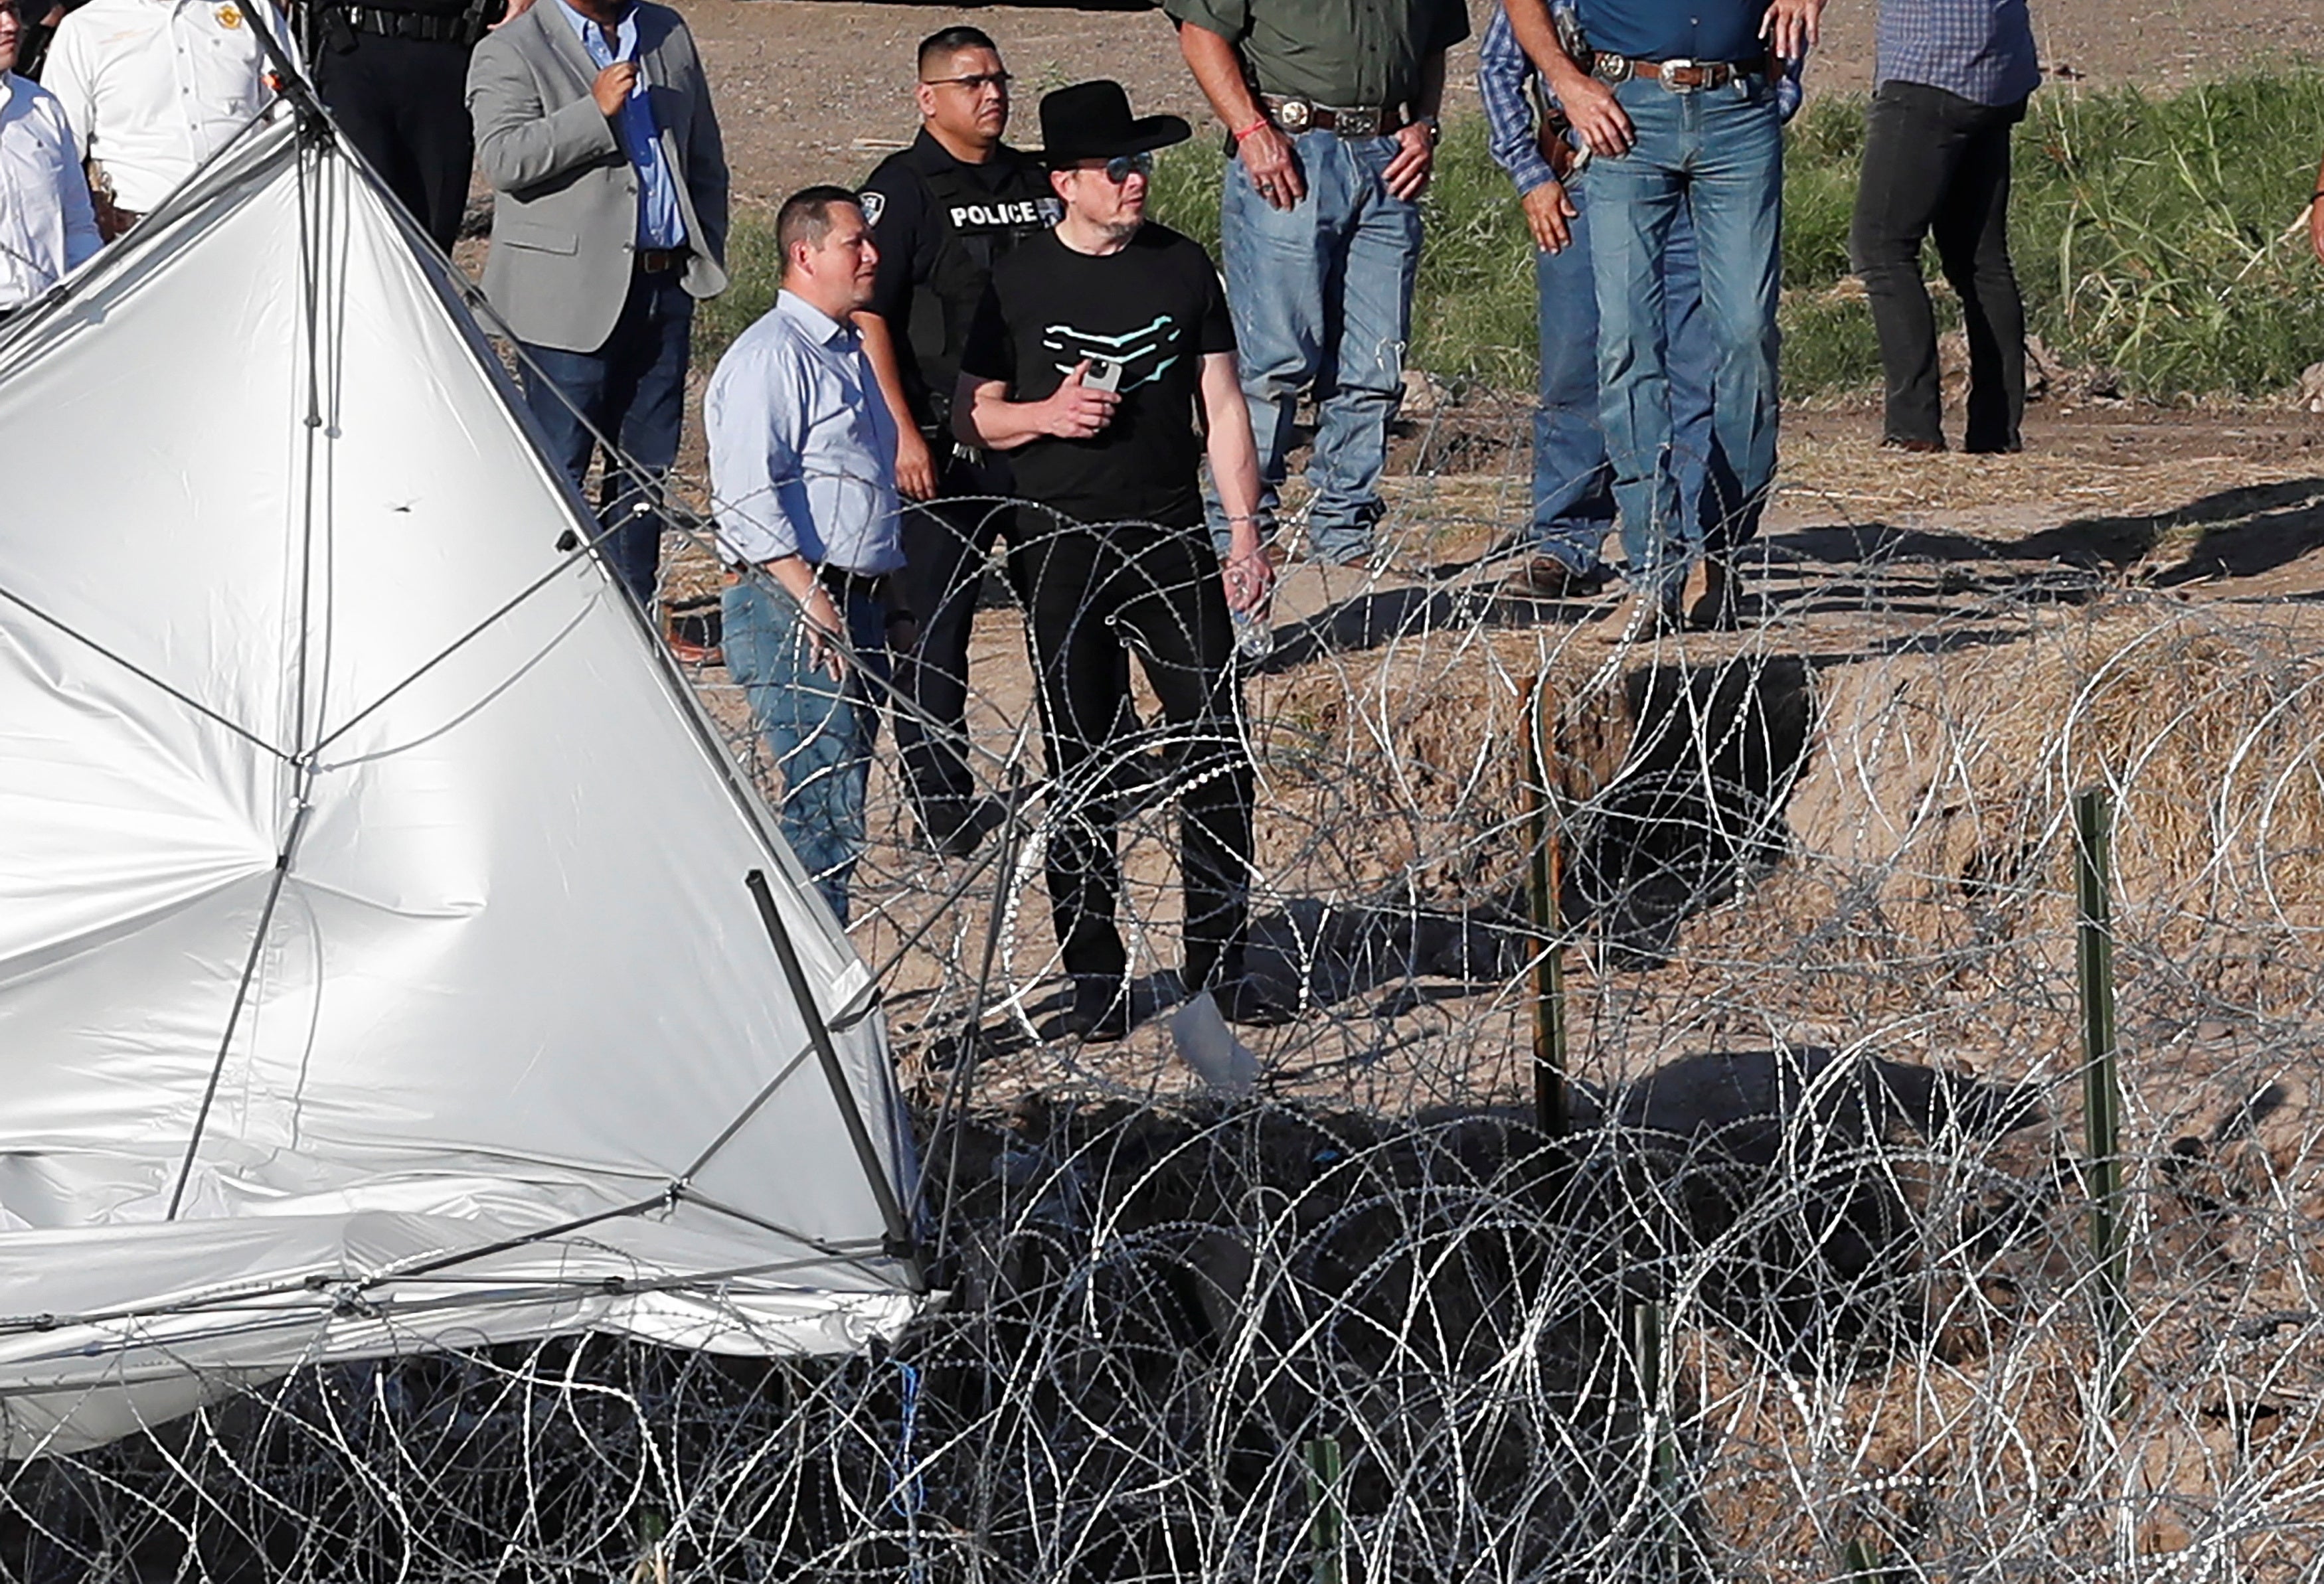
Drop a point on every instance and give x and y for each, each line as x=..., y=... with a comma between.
x=1122, y=167
x=975, y=82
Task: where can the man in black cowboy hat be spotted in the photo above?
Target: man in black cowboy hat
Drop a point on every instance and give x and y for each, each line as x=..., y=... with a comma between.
x=1088, y=355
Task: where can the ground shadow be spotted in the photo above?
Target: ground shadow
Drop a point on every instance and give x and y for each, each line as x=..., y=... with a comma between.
x=2244, y=532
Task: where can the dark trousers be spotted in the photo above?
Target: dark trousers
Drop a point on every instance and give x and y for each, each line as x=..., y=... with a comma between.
x=633, y=390
x=402, y=104
x=946, y=544
x=1154, y=591
x=1937, y=164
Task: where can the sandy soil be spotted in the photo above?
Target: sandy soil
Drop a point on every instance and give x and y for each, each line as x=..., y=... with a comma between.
x=803, y=84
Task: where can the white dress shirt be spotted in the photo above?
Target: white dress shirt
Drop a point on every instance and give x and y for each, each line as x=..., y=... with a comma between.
x=802, y=447
x=153, y=87
x=46, y=224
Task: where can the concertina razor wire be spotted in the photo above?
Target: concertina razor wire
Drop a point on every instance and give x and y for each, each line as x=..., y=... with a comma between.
x=1802, y=1288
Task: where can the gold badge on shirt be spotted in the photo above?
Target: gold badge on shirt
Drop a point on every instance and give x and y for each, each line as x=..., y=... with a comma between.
x=229, y=16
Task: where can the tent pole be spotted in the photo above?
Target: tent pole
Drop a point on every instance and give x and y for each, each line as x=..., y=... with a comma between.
x=901, y=1244
x=241, y=998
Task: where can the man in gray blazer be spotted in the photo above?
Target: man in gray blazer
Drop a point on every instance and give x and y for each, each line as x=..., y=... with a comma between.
x=595, y=128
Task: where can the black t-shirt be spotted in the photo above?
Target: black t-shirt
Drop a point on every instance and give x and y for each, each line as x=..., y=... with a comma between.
x=940, y=225
x=1156, y=310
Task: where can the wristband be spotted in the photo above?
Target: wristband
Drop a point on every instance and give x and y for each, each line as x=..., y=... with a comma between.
x=1246, y=131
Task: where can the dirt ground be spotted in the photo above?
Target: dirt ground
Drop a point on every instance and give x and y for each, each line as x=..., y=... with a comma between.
x=806, y=86
x=2210, y=505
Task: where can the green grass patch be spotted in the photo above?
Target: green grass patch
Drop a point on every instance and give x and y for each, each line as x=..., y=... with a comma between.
x=2154, y=237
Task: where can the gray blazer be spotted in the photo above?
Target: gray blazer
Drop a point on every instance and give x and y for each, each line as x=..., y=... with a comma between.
x=565, y=203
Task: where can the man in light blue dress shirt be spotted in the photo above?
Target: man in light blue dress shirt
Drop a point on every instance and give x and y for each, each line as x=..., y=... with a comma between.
x=803, y=487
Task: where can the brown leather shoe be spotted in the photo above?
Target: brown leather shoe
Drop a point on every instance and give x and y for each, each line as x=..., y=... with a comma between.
x=1545, y=577
x=1641, y=619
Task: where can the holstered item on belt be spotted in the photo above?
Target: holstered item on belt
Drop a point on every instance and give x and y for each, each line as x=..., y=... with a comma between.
x=426, y=27
x=1557, y=151
x=1295, y=114
x=1680, y=76
x=113, y=221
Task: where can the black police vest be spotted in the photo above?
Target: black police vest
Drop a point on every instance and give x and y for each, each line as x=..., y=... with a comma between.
x=976, y=224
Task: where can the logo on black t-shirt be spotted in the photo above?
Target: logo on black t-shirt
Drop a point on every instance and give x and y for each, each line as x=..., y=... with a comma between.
x=1145, y=354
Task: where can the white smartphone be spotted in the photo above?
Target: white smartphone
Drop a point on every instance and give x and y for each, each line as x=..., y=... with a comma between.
x=1104, y=374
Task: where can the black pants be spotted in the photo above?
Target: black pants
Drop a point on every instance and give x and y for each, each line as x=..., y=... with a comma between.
x=402, y=104
x=1098, y=594
x=946, y=544
x=1937, y=164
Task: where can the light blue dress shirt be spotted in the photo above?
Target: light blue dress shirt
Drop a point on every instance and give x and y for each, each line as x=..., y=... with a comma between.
x=802, y=447
x=660, y=224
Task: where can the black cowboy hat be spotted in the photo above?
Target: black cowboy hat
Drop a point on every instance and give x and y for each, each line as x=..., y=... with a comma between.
x=1091, y=121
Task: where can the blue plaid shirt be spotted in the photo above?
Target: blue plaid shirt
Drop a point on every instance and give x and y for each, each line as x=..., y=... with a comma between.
x=1982, y=50
x=1505, y=76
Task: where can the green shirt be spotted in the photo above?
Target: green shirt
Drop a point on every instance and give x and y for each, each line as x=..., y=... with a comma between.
x=1346, y=53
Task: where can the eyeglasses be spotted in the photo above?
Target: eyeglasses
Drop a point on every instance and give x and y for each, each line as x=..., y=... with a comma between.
x=975, y=82
x=1122, y=167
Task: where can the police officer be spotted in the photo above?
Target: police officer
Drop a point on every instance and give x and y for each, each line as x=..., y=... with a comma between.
x=395, y=76
x=942, y=211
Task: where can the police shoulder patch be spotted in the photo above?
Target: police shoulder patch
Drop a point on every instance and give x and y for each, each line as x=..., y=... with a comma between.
x=1052, y=210
x=875, y=204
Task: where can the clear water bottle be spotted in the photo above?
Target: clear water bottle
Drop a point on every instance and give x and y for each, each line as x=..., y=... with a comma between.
x=1254, y=636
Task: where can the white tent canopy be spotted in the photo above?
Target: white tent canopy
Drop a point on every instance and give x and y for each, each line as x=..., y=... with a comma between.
x=377, y=970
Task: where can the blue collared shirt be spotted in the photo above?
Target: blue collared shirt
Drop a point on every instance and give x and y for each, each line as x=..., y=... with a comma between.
x=1675, y=29
x=660, y=224
x=802, y=447
x=1505, y=76
x=1982, y=50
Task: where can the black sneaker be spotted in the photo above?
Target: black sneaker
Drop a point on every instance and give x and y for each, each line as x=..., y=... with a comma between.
x=985, y=817
x=1100, y=1015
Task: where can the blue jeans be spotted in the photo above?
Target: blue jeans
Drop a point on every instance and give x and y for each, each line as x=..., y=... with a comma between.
x=820, y=731
x=1572, y=481
x=633, y=390
x=1321, y=298
x=1719, y=154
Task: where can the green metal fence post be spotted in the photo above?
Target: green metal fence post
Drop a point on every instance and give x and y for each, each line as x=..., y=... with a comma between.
x=2101, y=1074
x=1323, y=1521
x=1552, y=1110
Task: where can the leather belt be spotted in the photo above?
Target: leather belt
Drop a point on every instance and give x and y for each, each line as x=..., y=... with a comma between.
x=1293, y=113
x=840, y=583
x=661, y=261
x=1679, y=75
x=408, y=24
x=837, y=581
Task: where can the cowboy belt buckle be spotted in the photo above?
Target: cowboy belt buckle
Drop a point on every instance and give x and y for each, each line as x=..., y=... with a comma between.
x=1296, y=115
x=1671, y=68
